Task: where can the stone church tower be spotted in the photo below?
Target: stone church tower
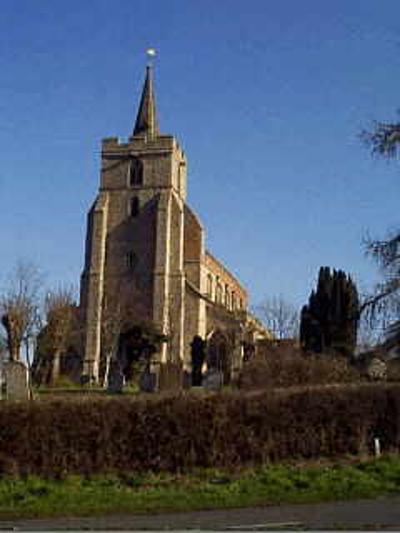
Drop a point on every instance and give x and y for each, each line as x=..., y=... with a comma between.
x=145, y=255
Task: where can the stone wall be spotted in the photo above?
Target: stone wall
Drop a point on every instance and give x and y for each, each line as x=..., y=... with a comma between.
x=134, y=255
x=221, y=286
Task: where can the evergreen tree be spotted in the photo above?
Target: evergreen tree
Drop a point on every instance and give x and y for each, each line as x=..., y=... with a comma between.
x=329, y=321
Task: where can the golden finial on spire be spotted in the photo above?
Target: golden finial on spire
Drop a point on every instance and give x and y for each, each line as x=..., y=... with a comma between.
x=151, y=54
x=146, y=120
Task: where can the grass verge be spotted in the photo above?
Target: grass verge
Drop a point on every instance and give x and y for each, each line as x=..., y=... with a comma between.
x=206, y=489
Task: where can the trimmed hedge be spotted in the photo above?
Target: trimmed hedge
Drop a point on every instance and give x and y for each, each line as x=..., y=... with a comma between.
x=188, y=431
x=285, y=366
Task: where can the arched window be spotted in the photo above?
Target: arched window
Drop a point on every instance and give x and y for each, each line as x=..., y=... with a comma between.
x=227, y=297
x=135, y=172
x=209, y=285
x=218, y=293
x=233, y=301
x=134, y=207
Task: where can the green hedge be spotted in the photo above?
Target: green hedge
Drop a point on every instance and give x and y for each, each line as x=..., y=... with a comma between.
x=188, y=431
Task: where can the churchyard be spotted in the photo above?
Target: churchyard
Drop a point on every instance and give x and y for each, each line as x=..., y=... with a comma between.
x=159, y=387
x=299, y=420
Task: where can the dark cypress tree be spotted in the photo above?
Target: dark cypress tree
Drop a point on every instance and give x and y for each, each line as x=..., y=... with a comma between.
x=329, y=321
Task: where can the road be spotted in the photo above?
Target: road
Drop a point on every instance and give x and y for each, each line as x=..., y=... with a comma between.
x=378, y=514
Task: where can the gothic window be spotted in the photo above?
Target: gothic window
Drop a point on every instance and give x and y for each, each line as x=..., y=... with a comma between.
x=135, y=172
x=227, y=297
x=130, y=260
x=233, y=301
x=218, y=293
x=209, y=285
x=134, y=207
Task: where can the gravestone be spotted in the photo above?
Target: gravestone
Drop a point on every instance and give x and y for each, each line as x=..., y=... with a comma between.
x=16, y=381
x=187, y=379
x=213, y=380
x=377, y=369
x=148, y=381
x=115, y=380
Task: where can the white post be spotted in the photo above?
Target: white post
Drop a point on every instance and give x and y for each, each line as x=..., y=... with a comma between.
x=377, y=447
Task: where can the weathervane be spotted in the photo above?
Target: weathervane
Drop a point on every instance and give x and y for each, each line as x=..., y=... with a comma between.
x=151, y=54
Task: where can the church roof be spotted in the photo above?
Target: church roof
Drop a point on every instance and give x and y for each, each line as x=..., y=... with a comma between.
x=146, y=120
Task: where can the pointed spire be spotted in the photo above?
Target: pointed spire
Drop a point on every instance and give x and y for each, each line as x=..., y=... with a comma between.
x=146, y=120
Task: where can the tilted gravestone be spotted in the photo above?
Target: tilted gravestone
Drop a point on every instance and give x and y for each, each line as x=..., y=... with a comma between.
x=213, y=380
x=16, y=381
x=148, y=381
x=377, y=369
x=115, y=380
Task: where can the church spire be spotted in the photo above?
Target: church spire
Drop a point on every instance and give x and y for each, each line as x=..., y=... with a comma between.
x=146, y=120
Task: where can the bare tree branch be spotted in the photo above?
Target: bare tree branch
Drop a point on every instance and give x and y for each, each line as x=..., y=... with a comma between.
x=60, y=309
x=384, y=139
x=19, y=306
x=384, y=305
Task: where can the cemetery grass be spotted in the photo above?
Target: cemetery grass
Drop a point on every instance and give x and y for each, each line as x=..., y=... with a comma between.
x=203, y=489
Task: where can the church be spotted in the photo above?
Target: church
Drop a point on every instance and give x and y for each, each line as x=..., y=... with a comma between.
x=146, y=259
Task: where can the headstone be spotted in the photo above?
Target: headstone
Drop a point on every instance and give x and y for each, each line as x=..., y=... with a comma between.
x=213, y=380
x=115, y=377
x=187, y=379
x=377, y=369
x=16, y=381
x=148, y=381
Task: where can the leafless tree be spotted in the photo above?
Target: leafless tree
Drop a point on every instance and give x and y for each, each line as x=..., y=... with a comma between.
x=383, y=139
x=60, y=309
x=280, y=317
x=370, y=332
x=3, y=347
x=3, y=351
x=19, y=308
x=384, y=304
x=113, y=321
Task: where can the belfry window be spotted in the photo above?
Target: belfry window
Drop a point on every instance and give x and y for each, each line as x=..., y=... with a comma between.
x=134, y=207
x=135, y=172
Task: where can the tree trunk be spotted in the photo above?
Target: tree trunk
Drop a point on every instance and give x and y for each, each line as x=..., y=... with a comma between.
x=55, y=369
x=107, y=369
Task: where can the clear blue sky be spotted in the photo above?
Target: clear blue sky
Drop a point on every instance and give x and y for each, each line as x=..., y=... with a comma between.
x=267, y=98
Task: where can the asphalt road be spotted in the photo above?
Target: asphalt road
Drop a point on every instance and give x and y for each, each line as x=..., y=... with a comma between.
x=378, y=514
